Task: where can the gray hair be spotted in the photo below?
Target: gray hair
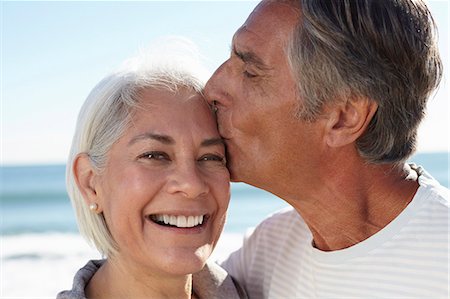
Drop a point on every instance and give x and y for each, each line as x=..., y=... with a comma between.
x=104, y=117
x=382, y=50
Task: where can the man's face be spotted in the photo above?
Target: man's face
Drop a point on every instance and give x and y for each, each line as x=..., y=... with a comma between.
x=256, y=96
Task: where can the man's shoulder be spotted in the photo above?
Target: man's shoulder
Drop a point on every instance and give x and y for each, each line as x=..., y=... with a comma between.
x=281, y=222
x=288, y=213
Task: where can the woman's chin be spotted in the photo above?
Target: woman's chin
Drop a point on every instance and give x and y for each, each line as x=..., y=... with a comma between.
x=184, y=267
x=183, y=262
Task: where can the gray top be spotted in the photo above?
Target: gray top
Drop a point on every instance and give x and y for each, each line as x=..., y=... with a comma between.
x=212, y=282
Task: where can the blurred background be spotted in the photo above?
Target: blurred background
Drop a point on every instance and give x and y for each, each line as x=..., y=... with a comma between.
x=52, y=55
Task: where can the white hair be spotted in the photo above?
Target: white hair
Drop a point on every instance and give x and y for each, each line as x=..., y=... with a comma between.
x=107, y=111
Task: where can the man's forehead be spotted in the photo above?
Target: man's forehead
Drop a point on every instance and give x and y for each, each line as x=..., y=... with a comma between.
x=274, y=11
x=245, y=38
x=268, y=25
x=269, y=20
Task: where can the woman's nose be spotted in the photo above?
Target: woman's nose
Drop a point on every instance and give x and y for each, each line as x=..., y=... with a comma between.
x=188, y=181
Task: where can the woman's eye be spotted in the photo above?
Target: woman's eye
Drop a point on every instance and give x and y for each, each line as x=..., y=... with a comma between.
x=159, y=156
x=213, y=158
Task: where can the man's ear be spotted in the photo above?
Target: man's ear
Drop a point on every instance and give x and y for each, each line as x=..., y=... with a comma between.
x=348, y=120
x=86, y=178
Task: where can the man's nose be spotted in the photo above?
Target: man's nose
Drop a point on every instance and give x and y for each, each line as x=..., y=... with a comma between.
x=188, y=181
x=217, y=87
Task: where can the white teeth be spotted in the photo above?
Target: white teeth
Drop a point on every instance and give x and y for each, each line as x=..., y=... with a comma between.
x=190, y=221
x=179, y=221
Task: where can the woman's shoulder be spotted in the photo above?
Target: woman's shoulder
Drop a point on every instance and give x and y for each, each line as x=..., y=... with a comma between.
x=214, y=282
x=80, y=281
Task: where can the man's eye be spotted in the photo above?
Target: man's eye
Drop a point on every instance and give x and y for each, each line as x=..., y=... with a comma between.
x=159, y=156
x=249, y=75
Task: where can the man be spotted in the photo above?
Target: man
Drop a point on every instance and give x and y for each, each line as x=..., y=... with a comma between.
x=319, y=104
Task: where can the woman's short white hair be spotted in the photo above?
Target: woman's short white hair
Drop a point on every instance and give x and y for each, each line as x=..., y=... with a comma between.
x=106, y=113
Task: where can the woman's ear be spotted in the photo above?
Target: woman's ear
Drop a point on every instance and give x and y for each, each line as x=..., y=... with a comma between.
x=348, y=120
x=86, y=179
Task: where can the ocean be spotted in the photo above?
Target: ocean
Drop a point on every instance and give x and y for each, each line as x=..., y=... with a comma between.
x=40, y=248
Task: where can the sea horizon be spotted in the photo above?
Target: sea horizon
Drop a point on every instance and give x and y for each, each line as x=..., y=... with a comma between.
x=60, y=163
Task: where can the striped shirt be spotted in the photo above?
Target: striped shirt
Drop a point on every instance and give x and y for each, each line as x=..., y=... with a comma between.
x=409, y=258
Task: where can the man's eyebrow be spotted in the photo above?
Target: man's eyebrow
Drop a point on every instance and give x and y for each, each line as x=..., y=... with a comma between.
x=249, y=57
x=213, y=141
x=158, y=137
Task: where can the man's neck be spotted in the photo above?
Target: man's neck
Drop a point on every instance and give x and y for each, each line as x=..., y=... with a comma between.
x=353, y=204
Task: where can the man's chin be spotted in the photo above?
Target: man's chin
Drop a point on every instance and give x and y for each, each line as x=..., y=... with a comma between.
x=234, y=173
x=231, y=163
x=235, y=180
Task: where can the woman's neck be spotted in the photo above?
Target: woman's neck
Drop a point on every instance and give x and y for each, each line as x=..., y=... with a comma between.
x=115, y=279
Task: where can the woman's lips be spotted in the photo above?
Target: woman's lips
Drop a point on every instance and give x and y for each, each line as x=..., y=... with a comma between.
x=179, y=221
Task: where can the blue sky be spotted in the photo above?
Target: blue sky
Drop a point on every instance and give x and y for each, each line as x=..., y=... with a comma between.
x=53, y=53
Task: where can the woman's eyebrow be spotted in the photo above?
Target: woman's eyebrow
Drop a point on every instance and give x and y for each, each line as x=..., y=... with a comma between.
x=169, y=140
x=213, y=141
x=158, y=137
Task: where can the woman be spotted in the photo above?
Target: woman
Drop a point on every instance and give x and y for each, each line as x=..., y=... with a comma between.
x=148, y=180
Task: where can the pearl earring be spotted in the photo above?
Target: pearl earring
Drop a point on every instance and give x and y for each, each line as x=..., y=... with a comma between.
x=93, y=207
x=214, y=106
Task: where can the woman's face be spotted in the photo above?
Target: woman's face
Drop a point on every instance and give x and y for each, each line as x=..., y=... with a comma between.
x=165, y=190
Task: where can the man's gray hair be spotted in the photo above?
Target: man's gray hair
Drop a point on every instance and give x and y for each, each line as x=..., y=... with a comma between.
x=107, y=113
x=381, y=50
